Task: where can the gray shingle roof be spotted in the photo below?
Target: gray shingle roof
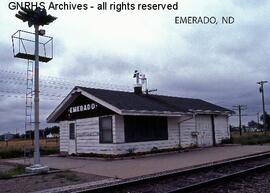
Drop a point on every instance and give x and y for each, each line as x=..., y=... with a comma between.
x=131, y=101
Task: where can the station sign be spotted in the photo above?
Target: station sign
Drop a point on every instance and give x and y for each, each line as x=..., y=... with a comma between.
x=84, y=107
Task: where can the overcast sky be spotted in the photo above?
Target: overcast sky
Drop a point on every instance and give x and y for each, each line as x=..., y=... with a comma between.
x=217, y=63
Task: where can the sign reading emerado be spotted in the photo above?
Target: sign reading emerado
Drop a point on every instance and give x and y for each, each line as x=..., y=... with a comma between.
x=81, y=108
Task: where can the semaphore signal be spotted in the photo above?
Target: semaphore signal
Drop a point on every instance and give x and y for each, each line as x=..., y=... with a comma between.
x=36, y=18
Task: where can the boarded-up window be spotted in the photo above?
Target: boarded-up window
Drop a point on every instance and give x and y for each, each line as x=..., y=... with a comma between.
x=105, y=129
x=145, y=128
x=71, y=131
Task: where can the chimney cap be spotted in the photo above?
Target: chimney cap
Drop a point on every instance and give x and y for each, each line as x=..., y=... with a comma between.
x=138, y=89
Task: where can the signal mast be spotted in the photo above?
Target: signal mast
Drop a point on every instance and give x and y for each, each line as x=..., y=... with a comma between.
x=36, y=18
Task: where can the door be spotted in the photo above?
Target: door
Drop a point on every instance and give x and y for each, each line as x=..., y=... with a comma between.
x=72, y=139
x=204, y=128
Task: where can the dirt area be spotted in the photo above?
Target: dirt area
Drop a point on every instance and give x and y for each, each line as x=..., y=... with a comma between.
x=43, y=181
x=256, y=183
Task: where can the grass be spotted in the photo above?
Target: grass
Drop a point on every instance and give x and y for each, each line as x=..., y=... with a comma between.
x=18, y=170
x=248, y=138
x=14, y=153
x=21, y=143
x=15, y=148
x=68, y=176
x=252, y=140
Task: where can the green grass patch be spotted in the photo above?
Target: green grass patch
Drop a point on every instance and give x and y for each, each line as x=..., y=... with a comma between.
x=18, y=170
x=14, y=153
x=67, y=176
x=49, y=150
x=11, y=153
x=248, y=140
x=252, y=140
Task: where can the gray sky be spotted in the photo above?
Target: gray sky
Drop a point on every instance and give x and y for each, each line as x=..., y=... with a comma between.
x=218, y=63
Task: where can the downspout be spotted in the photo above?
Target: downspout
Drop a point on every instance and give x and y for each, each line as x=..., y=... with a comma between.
x=179, y=126
x=213, y=129
x=75, y=133
x=228, y=125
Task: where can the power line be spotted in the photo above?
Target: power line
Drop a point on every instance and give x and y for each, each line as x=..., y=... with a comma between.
x=62, y=81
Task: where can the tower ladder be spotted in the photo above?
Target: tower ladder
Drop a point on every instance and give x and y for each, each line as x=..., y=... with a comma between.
x=28, y=111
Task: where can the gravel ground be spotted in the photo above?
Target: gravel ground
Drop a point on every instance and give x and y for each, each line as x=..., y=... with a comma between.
x=257, y=183
x=5, y=167
x=182, y=180
x=44, y=181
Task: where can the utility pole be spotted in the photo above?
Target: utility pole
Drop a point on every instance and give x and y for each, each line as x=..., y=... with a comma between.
x=240, y=108
x=261, y=89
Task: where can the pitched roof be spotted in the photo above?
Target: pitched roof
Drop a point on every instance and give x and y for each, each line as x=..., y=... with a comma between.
x=131, y=101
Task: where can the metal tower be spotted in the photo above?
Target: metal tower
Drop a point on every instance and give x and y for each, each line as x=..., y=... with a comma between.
x=28, y=109
x=36, y=18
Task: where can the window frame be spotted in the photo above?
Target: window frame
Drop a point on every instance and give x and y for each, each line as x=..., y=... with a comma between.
x=101, y=138
x=69, y=127
x=145, y=128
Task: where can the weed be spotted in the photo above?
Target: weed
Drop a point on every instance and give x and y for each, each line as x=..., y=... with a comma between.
x=19, y=169
x=5, y=175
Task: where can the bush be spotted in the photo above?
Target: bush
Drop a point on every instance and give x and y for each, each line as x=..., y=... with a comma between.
x=227, y=141
x=131, y=151
x=49, y=151
x=11, y=153
x=154, y=149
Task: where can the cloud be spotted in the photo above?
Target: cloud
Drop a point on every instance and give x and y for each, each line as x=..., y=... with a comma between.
x=6, y=55
x=217, y=63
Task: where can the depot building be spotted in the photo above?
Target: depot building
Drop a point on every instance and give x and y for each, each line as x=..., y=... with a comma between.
x=116, y=122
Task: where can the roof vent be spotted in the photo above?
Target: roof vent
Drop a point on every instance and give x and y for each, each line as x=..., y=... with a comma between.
x=141, y=82
x=138, y=85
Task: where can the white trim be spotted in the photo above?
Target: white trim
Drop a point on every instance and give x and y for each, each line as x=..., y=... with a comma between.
x=92, y=97
x=61, y=105
x=210, y=112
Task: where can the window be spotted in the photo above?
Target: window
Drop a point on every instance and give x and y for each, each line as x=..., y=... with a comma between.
x=145, y=128
x=71, y=131
x=105, y=130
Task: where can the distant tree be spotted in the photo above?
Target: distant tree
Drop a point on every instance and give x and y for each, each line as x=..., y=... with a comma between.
x=29, y=134
x=267, y=120
x=42, y=133
x=17, y=136
x=52, y=130
x=254, y=124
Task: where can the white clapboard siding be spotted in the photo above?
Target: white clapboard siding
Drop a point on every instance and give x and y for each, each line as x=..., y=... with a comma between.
x=186, y=129
x=87, y=135
x=204, y=128
x=119, y=129
x=221, y=128
x=64, y=136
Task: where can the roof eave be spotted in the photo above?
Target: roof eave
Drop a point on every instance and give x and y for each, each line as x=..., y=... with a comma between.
x=216, y=112
x=153, y=113
x=53, y=116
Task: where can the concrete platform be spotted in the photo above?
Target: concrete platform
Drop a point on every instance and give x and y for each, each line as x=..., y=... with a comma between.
x=149, y=165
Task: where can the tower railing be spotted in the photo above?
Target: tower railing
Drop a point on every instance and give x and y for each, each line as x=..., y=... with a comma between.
x=23, y=44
